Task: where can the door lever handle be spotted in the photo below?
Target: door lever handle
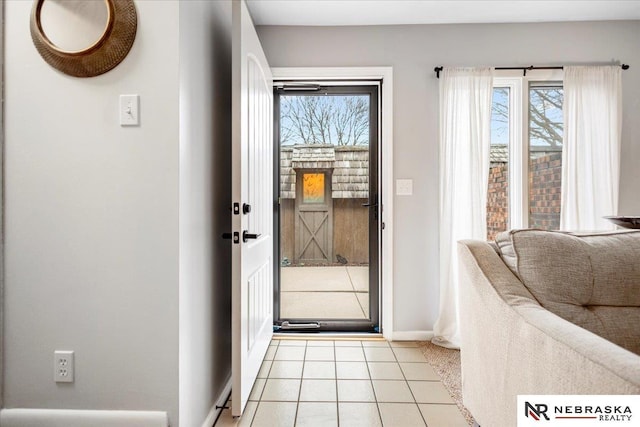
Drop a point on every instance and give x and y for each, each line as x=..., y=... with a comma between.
x=246, y=236
x=370, y=205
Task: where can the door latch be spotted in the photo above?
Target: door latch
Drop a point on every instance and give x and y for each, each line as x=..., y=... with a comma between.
x=235, y=236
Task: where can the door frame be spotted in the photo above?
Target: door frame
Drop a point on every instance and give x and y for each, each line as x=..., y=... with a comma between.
x=370, y=89
x=385, y=162
x=2, y=101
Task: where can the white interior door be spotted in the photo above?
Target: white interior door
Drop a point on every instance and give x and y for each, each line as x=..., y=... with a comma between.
x=252, y=293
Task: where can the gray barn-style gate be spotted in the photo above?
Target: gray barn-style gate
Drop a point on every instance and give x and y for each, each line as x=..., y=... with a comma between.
x=314, y=216
x=323, y=189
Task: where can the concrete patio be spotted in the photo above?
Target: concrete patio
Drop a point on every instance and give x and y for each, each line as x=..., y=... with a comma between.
x=336, y=292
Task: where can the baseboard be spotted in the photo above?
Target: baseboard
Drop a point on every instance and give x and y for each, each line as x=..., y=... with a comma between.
x=81, y=418
x=411, y=336
x=218, y=406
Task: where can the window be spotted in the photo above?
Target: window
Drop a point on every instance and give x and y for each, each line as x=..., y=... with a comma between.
x=545, y=155
x=313, y=188
x=525, y=168
x=498, y=191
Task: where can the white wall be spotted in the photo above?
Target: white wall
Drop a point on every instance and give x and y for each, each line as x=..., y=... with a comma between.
x=205, y=184
x=414, y=51
x=91, y=226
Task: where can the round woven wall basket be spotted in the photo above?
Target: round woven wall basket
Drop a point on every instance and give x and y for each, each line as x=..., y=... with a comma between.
x=111, y=48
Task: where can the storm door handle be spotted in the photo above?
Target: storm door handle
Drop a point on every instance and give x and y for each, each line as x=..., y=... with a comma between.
x=246, y=236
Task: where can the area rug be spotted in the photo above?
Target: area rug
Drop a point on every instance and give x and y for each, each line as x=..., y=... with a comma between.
x=446, y=363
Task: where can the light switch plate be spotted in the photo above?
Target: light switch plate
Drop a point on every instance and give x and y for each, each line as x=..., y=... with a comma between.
x=129, y=110
x=404, y=187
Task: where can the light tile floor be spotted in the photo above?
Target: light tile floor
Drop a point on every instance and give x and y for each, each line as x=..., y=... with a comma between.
x=336, y=292
x=353, y=383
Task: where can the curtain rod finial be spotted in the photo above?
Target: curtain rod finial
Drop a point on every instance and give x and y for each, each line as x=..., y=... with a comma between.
x=625, y=66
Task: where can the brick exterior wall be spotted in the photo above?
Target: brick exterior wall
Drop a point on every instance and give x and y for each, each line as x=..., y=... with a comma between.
x=497, y=199
x=545, y=175
x=545, y=178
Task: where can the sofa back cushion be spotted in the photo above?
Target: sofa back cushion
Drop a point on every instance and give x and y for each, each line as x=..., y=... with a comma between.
x=592, y=280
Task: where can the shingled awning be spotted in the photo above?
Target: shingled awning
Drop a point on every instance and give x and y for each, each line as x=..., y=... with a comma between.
x=349, y=164
x=499, y=153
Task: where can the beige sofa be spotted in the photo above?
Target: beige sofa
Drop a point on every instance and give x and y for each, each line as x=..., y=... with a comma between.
x=548, y=313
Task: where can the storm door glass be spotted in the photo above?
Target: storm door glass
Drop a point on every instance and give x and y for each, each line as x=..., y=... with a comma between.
x=327, y=208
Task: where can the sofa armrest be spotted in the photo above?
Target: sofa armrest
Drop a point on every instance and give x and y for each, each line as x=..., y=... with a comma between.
x=511, y=345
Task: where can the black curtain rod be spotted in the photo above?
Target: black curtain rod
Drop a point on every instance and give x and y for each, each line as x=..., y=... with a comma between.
x=525, y=69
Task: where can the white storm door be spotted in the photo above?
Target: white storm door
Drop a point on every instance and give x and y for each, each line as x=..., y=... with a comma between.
x=252, y=259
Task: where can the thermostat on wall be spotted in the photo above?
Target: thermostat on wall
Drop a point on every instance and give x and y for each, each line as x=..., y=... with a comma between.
x=404, y=187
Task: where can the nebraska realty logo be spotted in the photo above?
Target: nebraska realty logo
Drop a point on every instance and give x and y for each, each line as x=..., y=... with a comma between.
x=578, y=410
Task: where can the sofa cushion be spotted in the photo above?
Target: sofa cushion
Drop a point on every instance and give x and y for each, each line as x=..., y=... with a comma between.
x=592, y=280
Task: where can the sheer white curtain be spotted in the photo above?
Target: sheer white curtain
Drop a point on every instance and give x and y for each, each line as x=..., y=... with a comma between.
x=465, y=132
x=591, y=152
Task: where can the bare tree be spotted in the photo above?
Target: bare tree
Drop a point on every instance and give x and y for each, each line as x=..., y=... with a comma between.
x=545, y=104
x=500, y=108
x=324, y=119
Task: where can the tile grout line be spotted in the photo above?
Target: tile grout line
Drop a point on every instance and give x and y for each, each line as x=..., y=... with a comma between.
x=265, y=384
x=415, y=401
x=304, y=360
x=253, y=417
x=335, y=369
x=335, y=361
x=375, y=396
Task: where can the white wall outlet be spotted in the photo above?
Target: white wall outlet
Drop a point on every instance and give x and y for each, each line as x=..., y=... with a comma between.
x=404, y=187
x=129, y=110
x=63, y=366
